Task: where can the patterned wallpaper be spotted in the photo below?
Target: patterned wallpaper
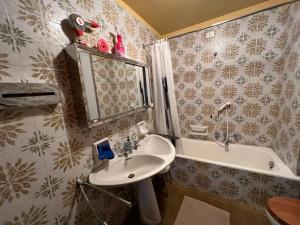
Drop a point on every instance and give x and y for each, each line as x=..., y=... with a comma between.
x=252, y=62
x=42, y=150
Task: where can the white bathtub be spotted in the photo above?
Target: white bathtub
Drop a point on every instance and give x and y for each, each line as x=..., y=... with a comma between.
x=243, y=157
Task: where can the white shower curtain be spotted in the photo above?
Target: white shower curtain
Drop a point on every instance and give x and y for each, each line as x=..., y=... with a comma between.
x=162, y=70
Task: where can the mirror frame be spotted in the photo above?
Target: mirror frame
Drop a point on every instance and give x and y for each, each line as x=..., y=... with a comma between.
x=79, y=92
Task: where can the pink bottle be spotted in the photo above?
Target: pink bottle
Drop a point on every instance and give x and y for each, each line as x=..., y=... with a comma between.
x=119, y=49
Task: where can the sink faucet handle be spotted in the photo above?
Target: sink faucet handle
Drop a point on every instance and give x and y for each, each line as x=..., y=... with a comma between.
x=136, y=144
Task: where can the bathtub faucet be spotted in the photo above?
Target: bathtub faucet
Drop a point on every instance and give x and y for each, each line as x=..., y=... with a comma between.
x=226, y=139
x=223, y=107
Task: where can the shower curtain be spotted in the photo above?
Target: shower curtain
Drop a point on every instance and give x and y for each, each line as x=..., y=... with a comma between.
x=166, y=116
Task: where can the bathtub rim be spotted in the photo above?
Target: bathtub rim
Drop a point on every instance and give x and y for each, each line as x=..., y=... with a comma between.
x=283, y=166
x=248, y=169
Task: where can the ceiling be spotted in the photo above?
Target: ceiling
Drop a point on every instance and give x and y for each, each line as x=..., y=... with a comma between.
x=167, y=16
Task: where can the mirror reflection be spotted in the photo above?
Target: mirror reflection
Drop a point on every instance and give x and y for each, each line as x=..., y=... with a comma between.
x=111, y=86
x=119, y=86
x=135, y=84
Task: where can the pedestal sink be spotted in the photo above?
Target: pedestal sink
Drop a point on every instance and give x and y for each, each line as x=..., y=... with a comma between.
x=154, y=154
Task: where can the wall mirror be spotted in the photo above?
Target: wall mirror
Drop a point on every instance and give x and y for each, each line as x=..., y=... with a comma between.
x=110, y=86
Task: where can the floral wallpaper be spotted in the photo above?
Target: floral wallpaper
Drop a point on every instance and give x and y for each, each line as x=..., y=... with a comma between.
x=42, y=150
x=253, y=62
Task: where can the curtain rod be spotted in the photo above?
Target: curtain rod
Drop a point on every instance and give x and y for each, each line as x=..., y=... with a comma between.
x=147, y=45
x=153, y=42
x=225, y=21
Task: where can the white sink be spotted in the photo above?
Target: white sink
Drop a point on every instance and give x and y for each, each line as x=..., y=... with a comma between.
x=157, y=145
x=153, y=155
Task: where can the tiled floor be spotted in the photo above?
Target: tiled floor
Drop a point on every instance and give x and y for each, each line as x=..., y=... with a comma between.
x=240, y=214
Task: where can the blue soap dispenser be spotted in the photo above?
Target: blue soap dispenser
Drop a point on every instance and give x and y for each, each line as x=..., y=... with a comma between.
x=103, y=150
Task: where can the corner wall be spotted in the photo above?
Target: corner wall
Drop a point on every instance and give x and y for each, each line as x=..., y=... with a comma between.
x=245, y=62
x=287, y=144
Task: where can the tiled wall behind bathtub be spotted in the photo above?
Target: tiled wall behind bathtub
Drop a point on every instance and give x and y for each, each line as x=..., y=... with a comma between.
x=41, y=149
x=287, y=129
x=238, y=185
x=252, y=62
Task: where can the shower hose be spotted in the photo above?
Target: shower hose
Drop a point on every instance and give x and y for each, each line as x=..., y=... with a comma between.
x=227, y=131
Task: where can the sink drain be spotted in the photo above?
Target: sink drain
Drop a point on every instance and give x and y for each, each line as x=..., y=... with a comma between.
x=131, y=175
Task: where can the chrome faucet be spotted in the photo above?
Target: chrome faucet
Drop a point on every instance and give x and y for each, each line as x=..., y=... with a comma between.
x=225, y=139
x=126, y=153
x=136, y=144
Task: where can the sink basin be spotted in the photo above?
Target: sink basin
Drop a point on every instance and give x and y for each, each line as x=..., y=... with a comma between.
x=156, y=145
x=153, y=155
x=129, y=170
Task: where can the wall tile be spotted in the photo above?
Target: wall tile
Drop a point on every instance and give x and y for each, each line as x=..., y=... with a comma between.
x=232, y=184
x=46, y=142
x=252, y=63
x=28, y=16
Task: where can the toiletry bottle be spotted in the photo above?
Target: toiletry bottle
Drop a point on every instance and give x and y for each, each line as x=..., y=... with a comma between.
x=128, y=145
x=119, y=48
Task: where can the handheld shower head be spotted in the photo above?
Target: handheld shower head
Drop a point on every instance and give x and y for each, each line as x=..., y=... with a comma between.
x=79, y=181
x=227, y=105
